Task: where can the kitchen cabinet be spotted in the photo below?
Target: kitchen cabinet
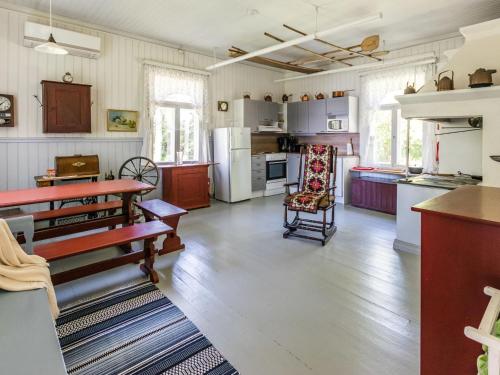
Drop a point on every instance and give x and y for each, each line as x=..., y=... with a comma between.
x=378, y=194
x=337, y=106
x=258, y=172
x=460, y=243
x=317, y=116
x=292, y=119
x=252, y=113
x=268, y=111
x=66, y=107
x=186, y=185
x=310, y=117
x=303, y=117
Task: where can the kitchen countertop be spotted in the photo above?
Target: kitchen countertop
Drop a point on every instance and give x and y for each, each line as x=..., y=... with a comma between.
x=442, y=182
x=297, y=153
x=470, y=203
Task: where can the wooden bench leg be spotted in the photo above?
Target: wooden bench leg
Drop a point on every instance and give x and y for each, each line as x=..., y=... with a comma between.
x=149, y=258
x=172, y=242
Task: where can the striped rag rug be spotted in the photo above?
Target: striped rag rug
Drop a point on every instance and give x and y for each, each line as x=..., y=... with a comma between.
x=135, y=330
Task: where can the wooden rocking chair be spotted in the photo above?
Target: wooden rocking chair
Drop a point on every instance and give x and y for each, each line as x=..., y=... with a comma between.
x=314, y=194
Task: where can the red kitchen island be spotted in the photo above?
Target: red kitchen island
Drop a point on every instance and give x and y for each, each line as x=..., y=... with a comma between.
x=460, y=256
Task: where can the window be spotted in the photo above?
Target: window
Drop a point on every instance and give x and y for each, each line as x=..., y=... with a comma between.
x=177, y=103
x=383, y=131
x=389, y=132
x=177, y=128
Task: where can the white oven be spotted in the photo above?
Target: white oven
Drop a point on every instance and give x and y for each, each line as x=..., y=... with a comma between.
x=275, y=173
x=335, y=123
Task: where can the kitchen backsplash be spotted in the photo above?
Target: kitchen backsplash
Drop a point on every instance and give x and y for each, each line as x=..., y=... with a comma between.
x=268, y=142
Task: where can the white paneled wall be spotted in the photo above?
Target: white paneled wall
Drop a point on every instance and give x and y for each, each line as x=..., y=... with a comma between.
x=22, y=159
x=116, y=79
x=350, y=80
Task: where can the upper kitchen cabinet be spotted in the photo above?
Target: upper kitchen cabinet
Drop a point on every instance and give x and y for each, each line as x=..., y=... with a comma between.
x=311, y=117
x=252, y=113
x=292, y=117
x=344, y=108
x=317, y=116
x=66, y=107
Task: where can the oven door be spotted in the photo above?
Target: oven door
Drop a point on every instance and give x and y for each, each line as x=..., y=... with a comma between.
x=275, y=170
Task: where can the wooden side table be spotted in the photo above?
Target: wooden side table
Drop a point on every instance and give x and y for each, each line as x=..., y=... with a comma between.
x=170, y=215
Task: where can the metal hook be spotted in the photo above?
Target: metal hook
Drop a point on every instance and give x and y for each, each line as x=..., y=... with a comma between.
x=38, y=100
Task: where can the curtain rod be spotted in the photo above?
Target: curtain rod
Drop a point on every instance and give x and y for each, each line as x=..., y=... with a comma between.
x=176, y=67
x=423, y=62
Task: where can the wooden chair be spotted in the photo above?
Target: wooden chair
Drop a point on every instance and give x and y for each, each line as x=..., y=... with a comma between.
x=314, y=194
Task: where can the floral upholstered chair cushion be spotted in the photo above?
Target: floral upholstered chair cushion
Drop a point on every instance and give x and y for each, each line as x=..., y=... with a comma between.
x=316, y=180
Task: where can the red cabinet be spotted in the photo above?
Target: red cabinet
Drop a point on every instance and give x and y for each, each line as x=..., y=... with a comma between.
x=374, y=193
x=66, y=107
x=460, y=256
x=186, y=186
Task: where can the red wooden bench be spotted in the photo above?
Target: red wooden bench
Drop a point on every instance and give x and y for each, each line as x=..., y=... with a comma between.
x=77, y=210
x=148, y=232
x=170, y=215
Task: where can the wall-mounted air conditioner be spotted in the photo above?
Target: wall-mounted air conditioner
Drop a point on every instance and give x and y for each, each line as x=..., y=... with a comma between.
x=77, y=44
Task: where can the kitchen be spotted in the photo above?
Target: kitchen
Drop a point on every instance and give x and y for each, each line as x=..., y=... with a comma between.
x=368, y=129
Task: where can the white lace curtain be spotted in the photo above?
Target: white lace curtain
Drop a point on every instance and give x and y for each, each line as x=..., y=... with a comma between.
x=162, y=85
x=379, y=89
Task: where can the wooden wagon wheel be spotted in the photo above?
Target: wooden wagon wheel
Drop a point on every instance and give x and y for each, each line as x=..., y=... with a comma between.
x=140, y=169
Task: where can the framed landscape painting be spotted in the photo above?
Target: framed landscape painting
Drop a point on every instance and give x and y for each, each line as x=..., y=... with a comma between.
x=120, y=120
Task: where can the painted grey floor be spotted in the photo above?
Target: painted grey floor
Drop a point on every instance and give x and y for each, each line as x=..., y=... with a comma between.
x=275, y=306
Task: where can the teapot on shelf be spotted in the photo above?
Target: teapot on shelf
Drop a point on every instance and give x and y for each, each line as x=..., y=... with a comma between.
x=410, y=89
x=481, y=78
x=445, y=83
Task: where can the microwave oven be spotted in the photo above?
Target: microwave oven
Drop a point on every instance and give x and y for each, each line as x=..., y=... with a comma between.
x=337, y=124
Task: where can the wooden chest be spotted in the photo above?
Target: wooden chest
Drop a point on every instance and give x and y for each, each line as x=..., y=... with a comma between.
x=77, y=165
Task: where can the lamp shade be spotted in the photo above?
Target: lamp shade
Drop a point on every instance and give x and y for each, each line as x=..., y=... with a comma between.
x=51, y=47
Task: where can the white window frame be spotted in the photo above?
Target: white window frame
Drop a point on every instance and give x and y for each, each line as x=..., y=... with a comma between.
x=394, y=108
x=177, y=106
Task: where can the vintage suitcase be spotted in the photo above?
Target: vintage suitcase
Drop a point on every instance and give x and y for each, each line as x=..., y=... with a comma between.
x=77, y=165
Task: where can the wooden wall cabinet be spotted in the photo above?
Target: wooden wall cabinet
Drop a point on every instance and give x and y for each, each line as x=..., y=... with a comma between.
x=186, y=186
x=66, y=107
x=374, y=194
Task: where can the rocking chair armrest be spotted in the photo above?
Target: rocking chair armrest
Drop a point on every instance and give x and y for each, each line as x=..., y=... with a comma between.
x=288, y=184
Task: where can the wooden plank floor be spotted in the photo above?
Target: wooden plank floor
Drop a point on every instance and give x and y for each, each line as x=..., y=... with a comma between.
x=275, y=306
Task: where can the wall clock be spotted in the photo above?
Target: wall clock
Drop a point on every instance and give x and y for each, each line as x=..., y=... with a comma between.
x=7, y=110
x=222, y=106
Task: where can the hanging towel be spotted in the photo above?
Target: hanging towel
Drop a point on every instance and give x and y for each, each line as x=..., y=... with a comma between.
x=20, y=271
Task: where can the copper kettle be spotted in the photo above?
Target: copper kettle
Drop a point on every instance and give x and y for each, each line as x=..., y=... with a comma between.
x=481, y=78
x=410, y=89
x=445, y=83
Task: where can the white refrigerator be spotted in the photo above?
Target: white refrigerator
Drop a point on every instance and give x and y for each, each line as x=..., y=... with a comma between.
x=232, y=170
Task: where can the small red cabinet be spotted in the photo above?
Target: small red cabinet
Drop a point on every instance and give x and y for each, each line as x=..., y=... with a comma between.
x=374, y=194
x=186, y=186
x=66, y=107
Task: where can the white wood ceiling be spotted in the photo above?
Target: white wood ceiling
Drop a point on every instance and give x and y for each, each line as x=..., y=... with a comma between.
x=207, y=24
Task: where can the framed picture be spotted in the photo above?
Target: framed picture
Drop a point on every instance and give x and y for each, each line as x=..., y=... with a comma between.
x=120, y=120
x=222, y=106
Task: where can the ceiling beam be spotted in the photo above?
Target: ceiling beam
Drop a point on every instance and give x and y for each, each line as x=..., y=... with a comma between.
x=293, y=42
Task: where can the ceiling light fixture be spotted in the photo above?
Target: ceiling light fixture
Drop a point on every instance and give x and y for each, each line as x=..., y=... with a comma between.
x=293, y=42
x=51, y=46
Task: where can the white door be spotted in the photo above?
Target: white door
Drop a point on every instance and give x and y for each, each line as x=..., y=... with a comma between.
x=241, y=178
x=240, y=138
